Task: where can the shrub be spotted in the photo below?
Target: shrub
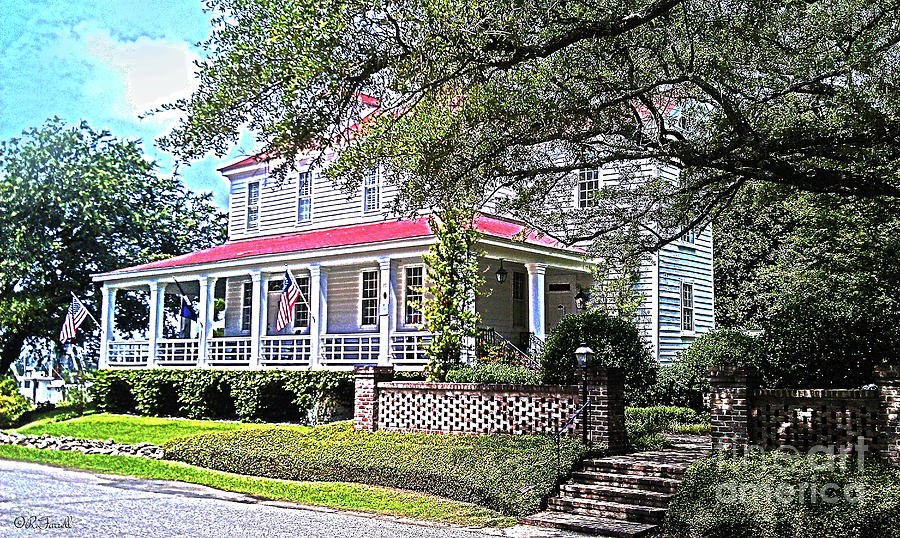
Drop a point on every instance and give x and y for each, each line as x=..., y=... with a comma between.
x=494, y=372
x=511, y=474
x=644, y=426
x=155, y=392
x=616, y=343
x=12, y=403
x=111, y=391
x=730, y=496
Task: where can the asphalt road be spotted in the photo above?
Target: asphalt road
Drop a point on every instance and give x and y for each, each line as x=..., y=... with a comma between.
x=108, y=505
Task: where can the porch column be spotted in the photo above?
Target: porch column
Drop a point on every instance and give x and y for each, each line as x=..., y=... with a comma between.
x=206, y=313
x=536, y=303
x=386, y=301
x=316, y=321
x=107, y=322
x=157, y=293
x=255, y=317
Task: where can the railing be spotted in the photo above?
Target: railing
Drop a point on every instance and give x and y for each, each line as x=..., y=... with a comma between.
x=176, y=351
x=228, y=350
x=562, y=430
x=290, y=350
x=349, y=348
x=534, y=347
x=409, y=348
x=130, y=352
x=491, y=344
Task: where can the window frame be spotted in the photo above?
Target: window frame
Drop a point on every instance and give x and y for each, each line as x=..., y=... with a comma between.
x=374, y=173
x=254, y=207
x=687, y=311
x=309, y=196
x=406, y=295
x=689, y=236
x=589, y=200
x=363, y=298
x=300, y=305
x=247, y=306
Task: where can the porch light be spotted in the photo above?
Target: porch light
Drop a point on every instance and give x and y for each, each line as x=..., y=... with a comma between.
x=581, y=299
x=501, y=273
x=584, y=354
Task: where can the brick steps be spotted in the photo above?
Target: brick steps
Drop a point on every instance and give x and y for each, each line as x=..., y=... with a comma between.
x=608, y=509
x=616, y=494
x=646, y=483
x=590, y=525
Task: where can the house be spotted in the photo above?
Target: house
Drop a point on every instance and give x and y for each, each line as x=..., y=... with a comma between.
x=40, y=387
x=361, y=274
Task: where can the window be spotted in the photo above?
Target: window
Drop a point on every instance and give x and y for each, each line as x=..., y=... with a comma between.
x=588, y=187
x=304, y=197
x=371, y=191
x=688, y=236
x=253, y=205
x=301, y=307
x=519, y=295
x=559, y=286
x=518, y=286
x=368, y=308
x=412, y=296
x=687, y=307
x=247, y=307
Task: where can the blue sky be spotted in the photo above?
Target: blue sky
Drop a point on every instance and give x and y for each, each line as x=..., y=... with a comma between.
x=107, y=63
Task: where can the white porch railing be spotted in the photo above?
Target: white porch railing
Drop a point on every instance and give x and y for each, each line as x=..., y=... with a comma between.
x=228, y=350
x=128, y=352
x=289, y=350
x=177, y=351
x=349, y=348
x=408, y=349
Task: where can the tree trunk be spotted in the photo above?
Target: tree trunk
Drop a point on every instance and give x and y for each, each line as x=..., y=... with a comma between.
x=12, y=348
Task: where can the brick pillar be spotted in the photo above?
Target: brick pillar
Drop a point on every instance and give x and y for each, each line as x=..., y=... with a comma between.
x=605, y=416
x=888, y=380
x=365, y=401
x=730, y=407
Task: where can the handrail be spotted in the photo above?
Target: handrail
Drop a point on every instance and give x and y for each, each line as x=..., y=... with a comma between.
x=561, y=430
x=489, y=335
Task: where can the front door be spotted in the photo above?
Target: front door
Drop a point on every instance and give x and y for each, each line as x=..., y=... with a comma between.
x=560, y=299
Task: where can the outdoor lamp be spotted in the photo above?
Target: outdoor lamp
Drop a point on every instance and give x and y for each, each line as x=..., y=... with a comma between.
x=581, y=299
x=584, y=354
x=501, y=273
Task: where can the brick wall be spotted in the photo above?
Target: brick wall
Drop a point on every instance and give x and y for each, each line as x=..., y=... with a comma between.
x=466, y=408
x=888, y=379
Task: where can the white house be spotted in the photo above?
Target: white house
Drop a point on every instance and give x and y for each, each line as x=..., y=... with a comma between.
x=40, y=387
x=361, y=272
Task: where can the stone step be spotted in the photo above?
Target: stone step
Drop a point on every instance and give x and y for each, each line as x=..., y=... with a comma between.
x=590, y=525
x=649, y=483
x=608, y=509
x=626, y=495
x=649, y=468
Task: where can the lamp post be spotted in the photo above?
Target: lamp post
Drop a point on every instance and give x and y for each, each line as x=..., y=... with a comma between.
x=584, y=355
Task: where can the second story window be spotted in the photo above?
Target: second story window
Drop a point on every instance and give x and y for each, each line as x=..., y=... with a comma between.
x=371, y=191
x=246, y=306
x=688, y=236
x=253, y=205
x=368, y=299
x=304, y=197
x=588, y=187
x=687, y=307
x=412, y=297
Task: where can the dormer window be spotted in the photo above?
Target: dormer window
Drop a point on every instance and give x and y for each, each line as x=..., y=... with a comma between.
x=304, y=197
x=588, y=187
x=371, y=191
x=253, y=205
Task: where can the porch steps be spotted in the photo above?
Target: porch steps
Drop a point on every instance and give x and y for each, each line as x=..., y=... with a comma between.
x=622, y=496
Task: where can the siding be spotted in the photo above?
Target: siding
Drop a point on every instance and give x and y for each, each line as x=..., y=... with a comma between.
x=343, y=298
x=233, y=301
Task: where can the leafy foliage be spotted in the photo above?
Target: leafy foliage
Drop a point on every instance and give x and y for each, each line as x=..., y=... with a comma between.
x=12, y=404
x=616, y=343
x=503, y=472
x=494, y=372
x=76, y=202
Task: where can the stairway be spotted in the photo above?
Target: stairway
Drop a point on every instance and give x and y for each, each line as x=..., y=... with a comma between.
x=623, y=496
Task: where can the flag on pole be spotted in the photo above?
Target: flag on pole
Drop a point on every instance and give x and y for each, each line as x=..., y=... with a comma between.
x=289, y=293
x=74, y=318
x=187, y=307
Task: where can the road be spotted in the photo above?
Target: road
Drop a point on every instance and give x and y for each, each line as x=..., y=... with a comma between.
x=108, y=505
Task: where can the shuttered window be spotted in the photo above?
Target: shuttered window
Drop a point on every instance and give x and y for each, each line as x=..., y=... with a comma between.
x=246, y=306
x=304, y=197
x=371, y=191
x=253, y=205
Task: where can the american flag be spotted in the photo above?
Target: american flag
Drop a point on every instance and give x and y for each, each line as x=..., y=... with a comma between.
x=74, y=318
x=290, y=291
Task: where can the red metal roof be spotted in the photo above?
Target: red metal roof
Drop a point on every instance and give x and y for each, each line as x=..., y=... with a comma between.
x=356, y=234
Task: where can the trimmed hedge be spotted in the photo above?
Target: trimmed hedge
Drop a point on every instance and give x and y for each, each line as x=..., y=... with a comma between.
x=494, y=372
x=725, y=495
x=510, y=474
x=272, y=396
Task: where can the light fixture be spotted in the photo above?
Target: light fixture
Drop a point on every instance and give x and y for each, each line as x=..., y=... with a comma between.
x=581, y=299
x=501, y=273
x=583, y=355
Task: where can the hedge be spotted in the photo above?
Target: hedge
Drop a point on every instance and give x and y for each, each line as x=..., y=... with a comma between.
x=272, y=396
x=725, y=495
x=510, y=474
x=494, y=372
x=12, y=404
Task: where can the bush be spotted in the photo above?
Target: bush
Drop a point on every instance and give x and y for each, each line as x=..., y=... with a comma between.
x=12, y=403
x=708, y=503
x=616, y=343
x=494, y=372
x=274, y=395
x=644, y=426
x=511, y=474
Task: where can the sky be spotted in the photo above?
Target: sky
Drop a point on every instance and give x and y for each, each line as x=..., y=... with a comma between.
x=106, y=62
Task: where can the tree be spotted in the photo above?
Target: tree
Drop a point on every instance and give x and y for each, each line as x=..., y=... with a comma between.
x=476, y=97
x=77, y=202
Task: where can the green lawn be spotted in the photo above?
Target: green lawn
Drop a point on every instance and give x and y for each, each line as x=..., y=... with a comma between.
x=131, y=429
x=339, y=495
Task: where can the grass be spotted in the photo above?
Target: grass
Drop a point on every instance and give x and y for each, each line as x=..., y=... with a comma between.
x=132, y=429
x=341, y=495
